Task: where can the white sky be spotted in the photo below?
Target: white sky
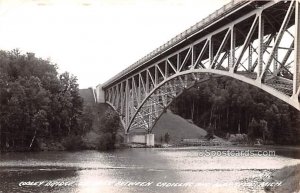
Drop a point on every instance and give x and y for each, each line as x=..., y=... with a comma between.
x=96, y=39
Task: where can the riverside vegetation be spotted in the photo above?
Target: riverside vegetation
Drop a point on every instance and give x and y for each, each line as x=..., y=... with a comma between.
x=225, y=107
x=41, y=109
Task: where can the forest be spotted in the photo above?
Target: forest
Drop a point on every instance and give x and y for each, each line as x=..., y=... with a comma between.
x=226, y=106
x=36, y=102
x=41, y=109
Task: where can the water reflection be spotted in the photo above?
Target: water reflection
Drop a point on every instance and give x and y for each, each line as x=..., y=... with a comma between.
x=129, y=170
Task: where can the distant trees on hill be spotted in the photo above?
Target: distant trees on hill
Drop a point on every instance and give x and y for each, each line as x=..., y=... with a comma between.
x=36, y=102
x=231, y=106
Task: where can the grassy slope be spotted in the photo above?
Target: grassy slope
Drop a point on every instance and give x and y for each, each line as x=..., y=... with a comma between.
x=87, y=95
x=177, y=127
x=91, y=138
x=98, y=110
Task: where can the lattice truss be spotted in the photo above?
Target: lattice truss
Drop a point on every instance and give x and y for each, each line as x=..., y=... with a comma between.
x=260, y=48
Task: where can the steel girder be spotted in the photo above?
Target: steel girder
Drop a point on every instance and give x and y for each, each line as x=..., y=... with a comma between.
x=255, y=48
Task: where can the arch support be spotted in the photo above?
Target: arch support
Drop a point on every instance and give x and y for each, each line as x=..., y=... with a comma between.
x=260, y=47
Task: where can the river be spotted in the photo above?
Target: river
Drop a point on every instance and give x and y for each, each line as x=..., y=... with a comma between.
x=189, y=169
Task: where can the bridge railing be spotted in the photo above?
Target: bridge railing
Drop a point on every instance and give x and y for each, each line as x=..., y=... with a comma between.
x=177, y=39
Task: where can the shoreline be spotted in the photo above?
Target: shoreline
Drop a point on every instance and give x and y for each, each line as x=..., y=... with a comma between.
x=125, y=146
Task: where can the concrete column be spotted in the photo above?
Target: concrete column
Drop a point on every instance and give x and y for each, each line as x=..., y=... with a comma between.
x=128, y=138
x=150, y=140
x=100, y=96
x=147, y=139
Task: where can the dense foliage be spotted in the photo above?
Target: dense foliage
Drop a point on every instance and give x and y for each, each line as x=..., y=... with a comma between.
x=110, y=124
x=229, y=106
x=36, y=102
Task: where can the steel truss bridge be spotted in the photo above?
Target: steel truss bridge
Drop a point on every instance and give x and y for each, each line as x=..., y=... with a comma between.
x=257, y=42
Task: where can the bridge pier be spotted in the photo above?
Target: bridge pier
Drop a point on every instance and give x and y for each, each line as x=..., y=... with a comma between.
x=146, y=139
x=149, y=140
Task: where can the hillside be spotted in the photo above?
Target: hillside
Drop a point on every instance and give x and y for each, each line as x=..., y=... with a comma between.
x=177, y=127
x=97, y=109
x=88, y=96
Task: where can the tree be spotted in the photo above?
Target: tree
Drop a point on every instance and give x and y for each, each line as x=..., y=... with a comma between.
x=251, y=130
x=264, y=129
x=110, y=122
x=167, y=137
x=39, y=124
x=210, y=133
x=230, y=106
x=108, y=130
x=35, y=102
x=85, y=121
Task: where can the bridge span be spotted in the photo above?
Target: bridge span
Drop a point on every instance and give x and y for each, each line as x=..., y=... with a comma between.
x=256, y=42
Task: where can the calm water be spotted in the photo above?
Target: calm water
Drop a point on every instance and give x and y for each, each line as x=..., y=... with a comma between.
x=125, y=170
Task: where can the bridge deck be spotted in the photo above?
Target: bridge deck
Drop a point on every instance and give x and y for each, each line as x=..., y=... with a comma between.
x=228, y=12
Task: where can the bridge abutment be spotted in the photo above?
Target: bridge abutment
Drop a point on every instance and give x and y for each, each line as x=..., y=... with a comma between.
x=100, y=96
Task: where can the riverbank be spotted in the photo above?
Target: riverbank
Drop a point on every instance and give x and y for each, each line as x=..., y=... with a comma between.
x=288, y=177
x=90, y=141
x=39, y=145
